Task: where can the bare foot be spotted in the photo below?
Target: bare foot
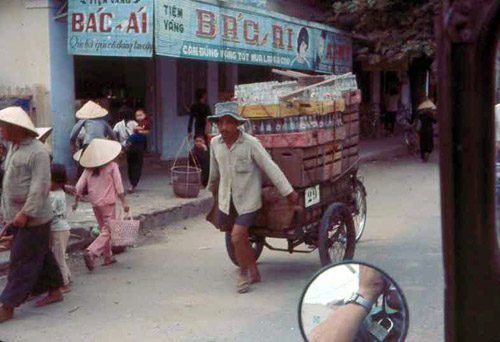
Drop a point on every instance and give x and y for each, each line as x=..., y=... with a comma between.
x=89, y=261
x=6, y=313
x=65, y=289
x=109, y=261
x=54, y=296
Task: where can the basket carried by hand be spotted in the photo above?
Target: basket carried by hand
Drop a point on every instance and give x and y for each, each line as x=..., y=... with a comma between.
x=124, y=230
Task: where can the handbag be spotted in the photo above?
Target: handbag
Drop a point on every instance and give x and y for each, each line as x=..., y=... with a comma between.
x=124, y=230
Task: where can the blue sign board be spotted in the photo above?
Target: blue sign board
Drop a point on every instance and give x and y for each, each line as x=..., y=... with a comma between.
x=110, y=27
x=239, y=34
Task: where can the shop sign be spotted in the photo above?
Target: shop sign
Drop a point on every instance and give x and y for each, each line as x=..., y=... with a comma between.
x=110, y=27
x=255, y=3
x=205, y=30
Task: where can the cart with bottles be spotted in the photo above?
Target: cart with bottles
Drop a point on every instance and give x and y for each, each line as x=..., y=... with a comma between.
x=310, y=127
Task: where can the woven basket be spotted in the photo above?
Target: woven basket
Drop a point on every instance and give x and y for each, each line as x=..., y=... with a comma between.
x=124, y=231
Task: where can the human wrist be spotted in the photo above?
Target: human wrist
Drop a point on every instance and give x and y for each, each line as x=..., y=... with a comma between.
x=368, y=294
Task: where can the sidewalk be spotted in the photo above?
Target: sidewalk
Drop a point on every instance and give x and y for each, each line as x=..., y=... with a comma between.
x=155, y=204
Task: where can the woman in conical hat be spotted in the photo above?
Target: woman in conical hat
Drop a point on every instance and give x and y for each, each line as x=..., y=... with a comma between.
x=103, y=182
x=426, y=119
x=91, y=118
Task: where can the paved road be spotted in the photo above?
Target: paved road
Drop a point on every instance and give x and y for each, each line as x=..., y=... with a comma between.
x=180, y=285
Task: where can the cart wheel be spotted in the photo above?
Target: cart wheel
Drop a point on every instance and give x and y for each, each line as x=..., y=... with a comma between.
x=359, y=216
x=257, y=243
x=337, y=237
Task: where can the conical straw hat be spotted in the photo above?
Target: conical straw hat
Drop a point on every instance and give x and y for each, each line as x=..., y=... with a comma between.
x=43, y=133
x=17, y=116
x=427, y=104
x=77, y=155
x=91, y=110
x=100, y=152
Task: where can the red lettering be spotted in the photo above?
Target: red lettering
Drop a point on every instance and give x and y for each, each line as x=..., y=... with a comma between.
x=278, y=37
x=230, y=29
x=246, y=32
x=145, y=22
x=91, y=23
x=289, y=32
x=133, y=25
x=102, y=22
x=206, y=24
x=77, y=22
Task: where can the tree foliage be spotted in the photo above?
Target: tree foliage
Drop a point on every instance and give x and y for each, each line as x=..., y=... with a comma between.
x=397, y=28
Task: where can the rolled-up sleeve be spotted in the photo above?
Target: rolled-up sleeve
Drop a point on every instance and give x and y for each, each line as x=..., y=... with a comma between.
x=39, y=165
x=214, y=177
x=264, y=161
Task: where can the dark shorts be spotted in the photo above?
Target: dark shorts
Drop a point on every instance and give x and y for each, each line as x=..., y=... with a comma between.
x=228, y=221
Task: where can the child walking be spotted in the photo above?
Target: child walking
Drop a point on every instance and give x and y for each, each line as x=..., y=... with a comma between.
x=103, y=182
x=60, y=229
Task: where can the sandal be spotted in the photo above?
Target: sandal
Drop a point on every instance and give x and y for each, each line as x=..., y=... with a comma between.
x=243, y=285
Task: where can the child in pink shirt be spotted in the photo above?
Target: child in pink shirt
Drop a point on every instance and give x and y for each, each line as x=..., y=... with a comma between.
x=104, y=184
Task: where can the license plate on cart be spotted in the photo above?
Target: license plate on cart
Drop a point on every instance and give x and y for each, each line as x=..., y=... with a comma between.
x=312, y=196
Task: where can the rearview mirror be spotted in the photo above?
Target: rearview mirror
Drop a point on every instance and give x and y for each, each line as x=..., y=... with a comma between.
x=353, y=301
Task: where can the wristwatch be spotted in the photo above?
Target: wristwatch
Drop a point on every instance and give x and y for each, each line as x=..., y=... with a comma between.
x=358, y=299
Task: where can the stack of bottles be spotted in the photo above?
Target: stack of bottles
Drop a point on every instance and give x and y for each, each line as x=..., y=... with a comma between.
x=291, y=124
x=269, y=93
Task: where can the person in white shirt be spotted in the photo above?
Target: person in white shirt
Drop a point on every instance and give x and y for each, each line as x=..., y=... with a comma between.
x=125, y=128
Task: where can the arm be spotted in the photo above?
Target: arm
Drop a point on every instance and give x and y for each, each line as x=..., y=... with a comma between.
x=80, y=186
x=109, y=131
x=342, y=326
x=190, y=123
x=117, y=181
x=264, y=161
x=214, y=177
x=76, y=129
x=39, y=165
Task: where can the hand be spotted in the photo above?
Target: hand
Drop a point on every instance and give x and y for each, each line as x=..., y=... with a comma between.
x=190, y=136
x=293, y=198
x=70, y=189
x=371, y=283
x=126, y=207
x=20, y=220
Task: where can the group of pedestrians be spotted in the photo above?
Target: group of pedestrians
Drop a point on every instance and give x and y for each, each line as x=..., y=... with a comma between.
x=34, y=206
x=131, y=132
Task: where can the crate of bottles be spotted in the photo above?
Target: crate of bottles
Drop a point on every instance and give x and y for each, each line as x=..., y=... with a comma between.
x=298, y=131
x=316, y=108
x=260, y=111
